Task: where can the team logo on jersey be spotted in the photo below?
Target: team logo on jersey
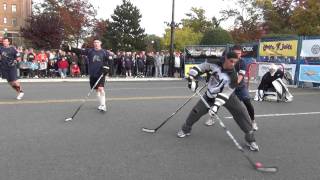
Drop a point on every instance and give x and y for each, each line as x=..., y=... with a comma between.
x=315, y=49
x=96, y=58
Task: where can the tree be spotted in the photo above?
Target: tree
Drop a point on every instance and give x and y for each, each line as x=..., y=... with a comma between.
x=216, y=36
x=247, y=22
x=99, y=29
x=153, y=43
x=44, y=30
x=124, y=31
x=276, y=15
x=198, y=22
x=78, y=17
x=305, y=19
x=183, y=37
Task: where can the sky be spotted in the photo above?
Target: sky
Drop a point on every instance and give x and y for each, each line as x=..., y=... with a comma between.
x=156, y=12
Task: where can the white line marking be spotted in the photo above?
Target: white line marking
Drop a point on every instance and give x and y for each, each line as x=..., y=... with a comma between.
x=285, y=114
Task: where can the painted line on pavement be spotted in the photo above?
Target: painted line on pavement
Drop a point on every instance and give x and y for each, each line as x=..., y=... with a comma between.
x=284, y=114
x=80, y=100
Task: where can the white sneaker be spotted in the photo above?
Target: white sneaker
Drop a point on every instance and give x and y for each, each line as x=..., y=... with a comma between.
x=254, y=126
x=20, y=95
x=253, y=146
x=182, y=134
x=102, y=108
x=210, y=122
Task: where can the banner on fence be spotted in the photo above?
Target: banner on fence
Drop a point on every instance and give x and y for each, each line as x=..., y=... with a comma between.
x=310, y=48
x=278, y=48
x=309, y=73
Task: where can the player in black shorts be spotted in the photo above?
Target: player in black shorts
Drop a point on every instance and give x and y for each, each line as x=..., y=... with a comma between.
x=8, y=64
x=98, y=61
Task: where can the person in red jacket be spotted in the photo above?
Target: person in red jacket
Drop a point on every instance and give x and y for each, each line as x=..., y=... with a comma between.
x=75, y=70
x=63, y=66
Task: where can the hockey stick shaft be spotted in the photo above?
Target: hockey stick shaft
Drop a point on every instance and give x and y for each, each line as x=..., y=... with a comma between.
x=86, y=98
x=170, y=117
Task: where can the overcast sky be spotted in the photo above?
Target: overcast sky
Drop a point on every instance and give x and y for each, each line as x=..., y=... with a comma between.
x=156, y=12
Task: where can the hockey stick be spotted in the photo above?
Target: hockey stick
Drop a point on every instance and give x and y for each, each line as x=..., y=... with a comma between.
x=256, y=165
x=166, y=120
x=77, y=110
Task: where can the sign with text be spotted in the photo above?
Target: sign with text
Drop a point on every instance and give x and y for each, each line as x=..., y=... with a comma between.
x=279, y=48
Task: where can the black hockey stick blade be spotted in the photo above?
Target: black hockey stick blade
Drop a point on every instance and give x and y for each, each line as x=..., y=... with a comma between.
x=148, y=130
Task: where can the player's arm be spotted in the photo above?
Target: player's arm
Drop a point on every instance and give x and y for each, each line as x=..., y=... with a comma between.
x=242, y=71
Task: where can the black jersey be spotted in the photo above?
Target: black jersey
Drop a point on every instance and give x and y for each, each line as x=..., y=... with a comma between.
x=8, y=57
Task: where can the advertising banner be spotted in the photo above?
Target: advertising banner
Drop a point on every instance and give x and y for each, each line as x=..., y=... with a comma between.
x=310, y=48
x=309, y=73
x=279, y=48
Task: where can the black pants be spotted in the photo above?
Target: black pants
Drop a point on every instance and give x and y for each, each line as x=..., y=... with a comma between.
x=233, y=105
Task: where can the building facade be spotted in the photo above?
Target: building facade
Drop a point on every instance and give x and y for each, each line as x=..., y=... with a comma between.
x=12, y=17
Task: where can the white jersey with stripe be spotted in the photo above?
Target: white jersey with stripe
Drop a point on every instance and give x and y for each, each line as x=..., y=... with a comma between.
x=218, y=84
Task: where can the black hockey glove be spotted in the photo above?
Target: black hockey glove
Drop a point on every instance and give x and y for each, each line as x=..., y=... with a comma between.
x=105, y=70
x=192, y=83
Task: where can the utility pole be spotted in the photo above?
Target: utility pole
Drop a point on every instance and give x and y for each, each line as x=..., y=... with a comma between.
x=172, y=25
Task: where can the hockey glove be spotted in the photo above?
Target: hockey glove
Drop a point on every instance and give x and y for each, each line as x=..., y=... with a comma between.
x=192, y=83
x=213, y=110
x=105, y=70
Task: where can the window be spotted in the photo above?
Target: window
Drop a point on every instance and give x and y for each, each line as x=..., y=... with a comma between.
x=5, y=20
x=14, y=22
x=4, y=6
x=14, y=8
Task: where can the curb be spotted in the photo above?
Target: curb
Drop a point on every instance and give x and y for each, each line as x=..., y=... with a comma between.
x=55, y=80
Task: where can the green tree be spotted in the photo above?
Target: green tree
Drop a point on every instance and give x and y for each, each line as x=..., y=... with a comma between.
x=183, y=37
x=125, y=32
x=247, y=22
x=153, y=43
x=198, y=22
x=216, y=36
x=305, y=19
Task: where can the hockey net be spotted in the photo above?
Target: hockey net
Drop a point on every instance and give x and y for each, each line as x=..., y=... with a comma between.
x=255, y=71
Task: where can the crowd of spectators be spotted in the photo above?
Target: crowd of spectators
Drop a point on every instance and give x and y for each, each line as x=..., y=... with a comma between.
x=59, y=64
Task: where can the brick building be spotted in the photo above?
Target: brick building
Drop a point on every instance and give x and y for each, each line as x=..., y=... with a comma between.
x=12, y=17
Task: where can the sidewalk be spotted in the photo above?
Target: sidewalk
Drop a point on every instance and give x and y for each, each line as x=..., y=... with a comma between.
x=86, y=79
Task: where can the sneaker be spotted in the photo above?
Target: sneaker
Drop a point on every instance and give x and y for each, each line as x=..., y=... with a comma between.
x=20, y=95
x=182, y=134
x=210, y=122
x=254, y=126
x=102, y=108
x=253, y=146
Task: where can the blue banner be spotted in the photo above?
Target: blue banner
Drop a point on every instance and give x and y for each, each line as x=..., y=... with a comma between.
x=309, y=73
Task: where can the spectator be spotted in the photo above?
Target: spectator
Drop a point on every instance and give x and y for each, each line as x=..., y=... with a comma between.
x=166, y=64
x=149, y=64
x=158, y=64
x=128, y=65
x=75, y=70
x=52, y=69
x=177, y=64
x=43, y=63
x=63, y=66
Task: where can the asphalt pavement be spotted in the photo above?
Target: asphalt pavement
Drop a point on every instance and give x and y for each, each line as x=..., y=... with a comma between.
x=36, y=143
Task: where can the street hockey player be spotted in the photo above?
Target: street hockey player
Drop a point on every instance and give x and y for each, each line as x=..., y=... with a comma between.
x=98, y=64
x=221, y=86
